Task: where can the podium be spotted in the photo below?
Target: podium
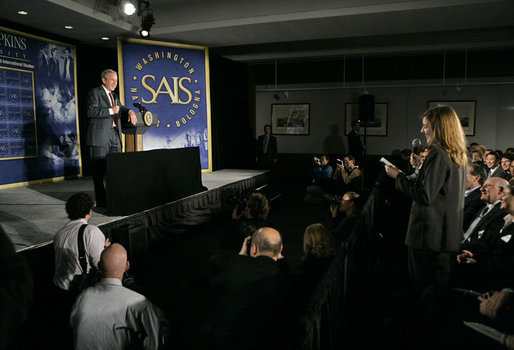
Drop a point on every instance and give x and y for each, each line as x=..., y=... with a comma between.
x=136, y=181
x=133, y=133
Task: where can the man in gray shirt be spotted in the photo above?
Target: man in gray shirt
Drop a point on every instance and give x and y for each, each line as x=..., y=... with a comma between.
x=110, y=316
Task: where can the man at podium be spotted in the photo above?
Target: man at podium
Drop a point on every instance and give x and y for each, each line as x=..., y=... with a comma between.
x=104, y=114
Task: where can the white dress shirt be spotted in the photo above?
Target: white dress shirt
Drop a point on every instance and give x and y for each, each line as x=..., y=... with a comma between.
x=67, y=251
x=110, y=316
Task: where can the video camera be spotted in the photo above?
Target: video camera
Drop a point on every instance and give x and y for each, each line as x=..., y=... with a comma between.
x=334, y=199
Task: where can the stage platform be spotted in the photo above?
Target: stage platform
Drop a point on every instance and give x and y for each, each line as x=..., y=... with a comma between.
x=32, y=215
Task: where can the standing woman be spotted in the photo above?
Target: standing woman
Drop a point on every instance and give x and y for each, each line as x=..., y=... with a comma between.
x=435, y=223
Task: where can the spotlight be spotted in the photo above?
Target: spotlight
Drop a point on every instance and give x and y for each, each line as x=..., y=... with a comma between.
x=129, y=8
x=147, y=20
x=146, y=24
x=286, y=94
x=276, y=96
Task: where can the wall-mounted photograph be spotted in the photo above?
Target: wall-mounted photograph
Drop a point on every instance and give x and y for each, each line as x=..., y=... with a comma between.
x=465, y=110
x=290, y=119
x=376, y=126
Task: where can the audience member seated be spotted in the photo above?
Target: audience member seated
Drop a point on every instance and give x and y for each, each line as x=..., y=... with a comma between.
x=491, y=253
x=416, y=161
x=491, y=214
x=473, y=203
x=477, y=157
x=320, y=172
x=15, y=291
x=493, y=164
x=406, y=156
x=506, y=163
x=68, y=271
x=245, y=223
x=345, y=216
x=318, y=253
x=349, y=174
x=252, y=312
x=110, y=316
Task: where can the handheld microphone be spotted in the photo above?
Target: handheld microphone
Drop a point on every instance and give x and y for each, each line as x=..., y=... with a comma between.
x=416, y=143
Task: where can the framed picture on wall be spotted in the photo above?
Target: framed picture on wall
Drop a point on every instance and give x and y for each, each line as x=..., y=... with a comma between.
x=465, y=110
x=290, y=119
x=377, y=127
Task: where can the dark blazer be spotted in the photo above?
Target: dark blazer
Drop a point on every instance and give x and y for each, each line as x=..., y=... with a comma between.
x=99, y=120
x=473, y=205
x=437, y=212
x=252, y=311
x=496, y=259
x=492, y=219
x=499, y=172
x=355, y=145
x=272, y=147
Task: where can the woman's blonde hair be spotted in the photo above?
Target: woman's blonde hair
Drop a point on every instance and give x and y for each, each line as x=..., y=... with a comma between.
x=318, y=241
x=447, y=133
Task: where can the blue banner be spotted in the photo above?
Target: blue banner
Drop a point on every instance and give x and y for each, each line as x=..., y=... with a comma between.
x=172, y=82
x=39, y=138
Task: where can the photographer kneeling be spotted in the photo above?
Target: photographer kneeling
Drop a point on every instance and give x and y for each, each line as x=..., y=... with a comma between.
x=345, y=215
x=347, y=175
x=245, y=223
x=321, y=175
x=252, y=312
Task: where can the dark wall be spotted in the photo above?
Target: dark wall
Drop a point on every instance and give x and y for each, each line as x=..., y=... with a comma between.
x=480, y=63
x=91, y=61
x=232, y=121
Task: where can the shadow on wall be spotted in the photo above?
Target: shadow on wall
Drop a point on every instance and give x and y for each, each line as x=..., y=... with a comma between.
x=333, y=144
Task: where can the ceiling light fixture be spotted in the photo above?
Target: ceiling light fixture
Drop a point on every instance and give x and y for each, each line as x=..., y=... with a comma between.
x=129, y=8
x=23, y=13
x=68, y=27
x=105, y=38
x=147, y=19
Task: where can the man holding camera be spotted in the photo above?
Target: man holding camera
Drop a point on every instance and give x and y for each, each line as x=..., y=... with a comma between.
x=245, y=222
x=345, y=215
x=348, y=173
x=252, y=311
x=321, y=173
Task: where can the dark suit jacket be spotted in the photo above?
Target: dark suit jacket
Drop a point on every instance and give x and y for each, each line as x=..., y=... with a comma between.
x=495, y=259
x=473, y=205
x=99, y=120
x=252, y=311
x=492, y=219
x=499, y=172
x=355, y=145
x=437, y=212
x=272, y=147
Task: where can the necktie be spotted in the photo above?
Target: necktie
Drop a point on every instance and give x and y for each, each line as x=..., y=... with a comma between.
x=265, y=146
x=475, y=223
x=114, y=120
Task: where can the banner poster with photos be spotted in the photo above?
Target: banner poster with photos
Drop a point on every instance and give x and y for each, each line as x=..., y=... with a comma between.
x=171, y=81
x=38, y=118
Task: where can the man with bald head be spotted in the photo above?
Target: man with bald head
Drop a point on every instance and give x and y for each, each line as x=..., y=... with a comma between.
x=491, y=215
x=110, y=316
x=481, y=235
x=252, y=313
